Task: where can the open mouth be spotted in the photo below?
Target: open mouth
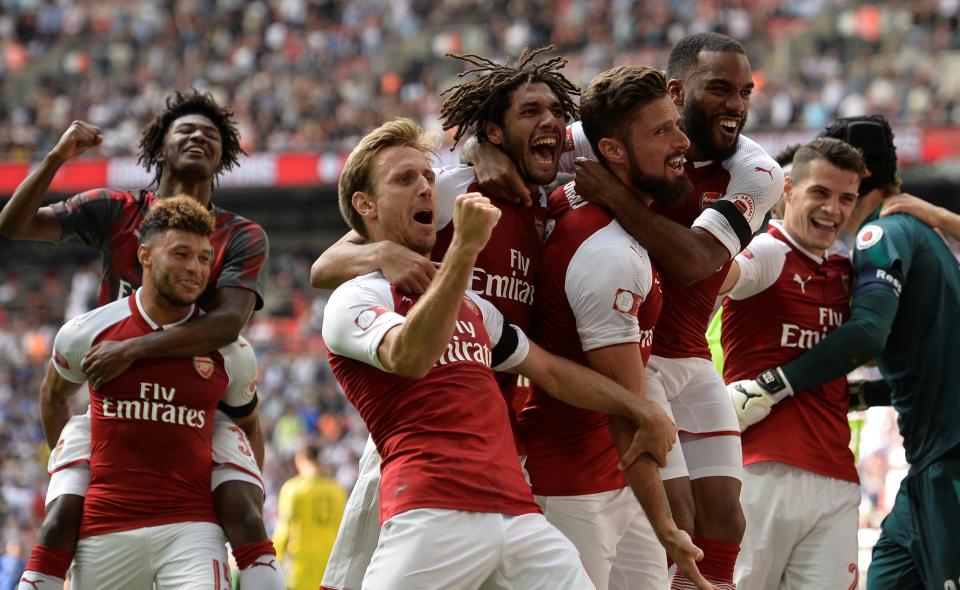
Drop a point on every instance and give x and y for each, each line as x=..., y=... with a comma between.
x=729, y=126
x=544, y=150
x=424, y=217
x=675, y=163
x=824, y=225
x=195, y=150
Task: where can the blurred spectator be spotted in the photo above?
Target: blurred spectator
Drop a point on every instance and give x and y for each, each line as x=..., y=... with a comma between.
x=316, y=74
x=310, y=508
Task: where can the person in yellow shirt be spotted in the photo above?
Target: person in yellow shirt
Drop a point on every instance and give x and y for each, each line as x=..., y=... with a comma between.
x=311, y=506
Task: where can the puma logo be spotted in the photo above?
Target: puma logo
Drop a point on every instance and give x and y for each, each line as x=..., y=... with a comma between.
x=747, y=396
x=802, y=282
x=272, y=564
x=33, y=583
x=759, y=169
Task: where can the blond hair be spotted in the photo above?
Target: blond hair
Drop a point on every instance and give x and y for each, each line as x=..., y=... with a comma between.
x=357, y=175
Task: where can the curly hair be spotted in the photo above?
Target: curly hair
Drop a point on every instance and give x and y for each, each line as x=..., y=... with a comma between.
x=486, y=97
x=686, y=53
x=180, y=104
x=180, y=212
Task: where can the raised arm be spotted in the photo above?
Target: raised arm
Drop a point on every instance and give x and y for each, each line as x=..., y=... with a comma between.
x=351, y=256
x=412, y=348
x=55, y=394
x=23, y=218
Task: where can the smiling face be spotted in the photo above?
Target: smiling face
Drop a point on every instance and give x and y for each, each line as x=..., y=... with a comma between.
x=191, y=148
x=532, y=133
x=819, y=204
x=715, y=98
x=654, y=151
x=177, y=264
x=401, y=207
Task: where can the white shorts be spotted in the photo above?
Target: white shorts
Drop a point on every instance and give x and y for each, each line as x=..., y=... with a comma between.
x=801, y=529
x=613, y=536
x=692, y=393
x=432, y=548
x=69, y=463
x=181, y=556
x=360, y=528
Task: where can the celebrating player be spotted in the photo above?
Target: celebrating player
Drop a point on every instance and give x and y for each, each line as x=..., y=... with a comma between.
x=148, y=516
x=188, y=144
x=603, y=316
x=906, y=302
x=787, y=290
x=521, y=109
x=455, y=507
x=735, y=184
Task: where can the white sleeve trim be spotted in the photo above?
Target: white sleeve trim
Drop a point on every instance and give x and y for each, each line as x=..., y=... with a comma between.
x=358, y=315
x=605, y=297
x=577, y=140
x=75, y=338
x=519, y=353
x=451, y=182
x=761, y=268
x=717, y=225
x=240, y=363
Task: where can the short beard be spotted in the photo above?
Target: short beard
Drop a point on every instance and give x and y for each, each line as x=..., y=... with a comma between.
x=699, y=128
x=658, y=188
x=164, y=287
x=514, y=149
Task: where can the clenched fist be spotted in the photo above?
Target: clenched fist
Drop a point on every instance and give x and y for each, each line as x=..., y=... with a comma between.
x=473, y=220
x=78, y=138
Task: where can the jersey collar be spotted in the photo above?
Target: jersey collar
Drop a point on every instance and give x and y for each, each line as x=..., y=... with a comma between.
x=783, y=230
x=154, y=325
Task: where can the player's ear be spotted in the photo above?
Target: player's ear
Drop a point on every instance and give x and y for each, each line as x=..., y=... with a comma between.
x=143, y=255
x=788, y=189
x=493, y=132
x=613, y=150
x=364, y=204
x=675, y=89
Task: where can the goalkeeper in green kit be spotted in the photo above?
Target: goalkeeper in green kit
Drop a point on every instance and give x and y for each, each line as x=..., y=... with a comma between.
x=905, y=313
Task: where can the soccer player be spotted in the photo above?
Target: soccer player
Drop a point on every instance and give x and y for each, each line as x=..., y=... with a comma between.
x=735, y=183
x=455, y=508
x=906, y=313
x=786, y=291
x=603, y=316
x=188, y=144
x=310, y=508
x=148, y=516
x=521, y=108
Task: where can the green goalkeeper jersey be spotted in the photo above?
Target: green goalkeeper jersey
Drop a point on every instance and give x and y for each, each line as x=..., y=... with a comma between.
x=905, y=312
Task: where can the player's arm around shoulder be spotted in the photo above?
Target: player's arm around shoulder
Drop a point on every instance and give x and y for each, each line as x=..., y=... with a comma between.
x=352, y=256
x=62, y=379
x=756, y=268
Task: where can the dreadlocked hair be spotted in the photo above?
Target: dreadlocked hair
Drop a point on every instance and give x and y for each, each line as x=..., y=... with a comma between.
x=180, y=104
x=487, y=96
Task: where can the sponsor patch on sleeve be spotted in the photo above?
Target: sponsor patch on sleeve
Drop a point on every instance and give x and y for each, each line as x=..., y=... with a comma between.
x=627, y=302
x=251, y=389
x=568, y=141
x=868, y=236
x=744, y=204
x=60, y=360
x=366, y=317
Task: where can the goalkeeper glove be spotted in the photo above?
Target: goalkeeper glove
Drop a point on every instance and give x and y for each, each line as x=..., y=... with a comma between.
x=753, y=399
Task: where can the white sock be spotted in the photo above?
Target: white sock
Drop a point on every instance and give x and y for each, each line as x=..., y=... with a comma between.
x=264, y=573
x=37, y=581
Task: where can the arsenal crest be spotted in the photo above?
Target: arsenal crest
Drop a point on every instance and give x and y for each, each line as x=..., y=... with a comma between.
x=709, y=198
x=203, y=365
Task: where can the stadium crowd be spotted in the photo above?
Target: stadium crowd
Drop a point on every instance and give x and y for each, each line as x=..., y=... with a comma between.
x=315, y=74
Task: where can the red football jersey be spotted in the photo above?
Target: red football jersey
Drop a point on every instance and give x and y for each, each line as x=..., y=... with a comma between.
x=109, y=220
x=752, y=182
x=444, y=439
x=596, y=287
x=505, y=268
x=150, y=428
x=768, y=325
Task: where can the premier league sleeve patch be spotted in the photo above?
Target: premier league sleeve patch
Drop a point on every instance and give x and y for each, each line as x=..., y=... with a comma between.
x=627, y=302
x=868, y=236
x=366, y=317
